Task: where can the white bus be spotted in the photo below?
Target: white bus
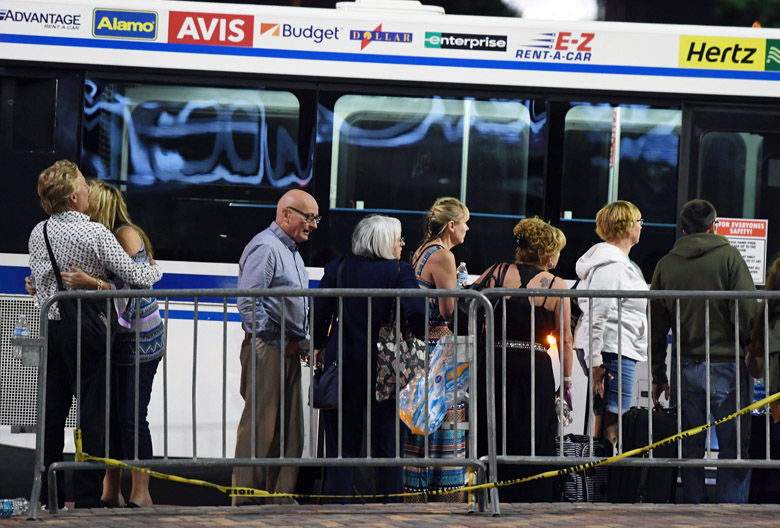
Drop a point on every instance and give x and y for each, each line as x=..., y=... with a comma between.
x=204, y=114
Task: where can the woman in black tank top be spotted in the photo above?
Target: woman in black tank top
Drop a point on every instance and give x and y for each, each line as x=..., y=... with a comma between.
x=538, y=248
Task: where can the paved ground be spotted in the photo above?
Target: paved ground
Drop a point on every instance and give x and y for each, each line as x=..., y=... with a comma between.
x=419, y=515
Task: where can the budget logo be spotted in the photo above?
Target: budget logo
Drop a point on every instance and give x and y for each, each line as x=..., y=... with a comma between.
x=313, y=33
x=465, y=41
x=722, y=53
x=210, y=28
x=773, y=55
x=113, y=23
x=366, y=37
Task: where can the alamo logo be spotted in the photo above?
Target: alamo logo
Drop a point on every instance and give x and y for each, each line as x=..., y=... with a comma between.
x=113, y=23
x=722, y=53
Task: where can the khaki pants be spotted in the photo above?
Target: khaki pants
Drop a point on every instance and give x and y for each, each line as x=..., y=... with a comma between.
x=273, y=479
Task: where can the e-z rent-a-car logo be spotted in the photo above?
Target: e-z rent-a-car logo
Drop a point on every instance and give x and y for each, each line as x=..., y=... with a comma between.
x=562, y=46
x=366, y=36
x=213, y=29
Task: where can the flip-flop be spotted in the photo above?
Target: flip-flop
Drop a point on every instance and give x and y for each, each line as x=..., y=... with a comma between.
x=132, y=505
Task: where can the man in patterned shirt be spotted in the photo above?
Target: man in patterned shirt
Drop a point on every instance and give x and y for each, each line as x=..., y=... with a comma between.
x=271, y=260
x=75, y=241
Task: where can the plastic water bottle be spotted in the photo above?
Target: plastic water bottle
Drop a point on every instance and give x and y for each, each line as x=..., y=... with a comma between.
x=463, y=275
x=21, y=331
x=18, y=506
x=759, y=393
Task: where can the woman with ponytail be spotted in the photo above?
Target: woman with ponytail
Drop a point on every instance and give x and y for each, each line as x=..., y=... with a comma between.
x=434, y=267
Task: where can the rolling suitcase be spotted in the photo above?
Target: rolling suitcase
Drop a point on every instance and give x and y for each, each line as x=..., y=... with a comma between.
x=643, y=484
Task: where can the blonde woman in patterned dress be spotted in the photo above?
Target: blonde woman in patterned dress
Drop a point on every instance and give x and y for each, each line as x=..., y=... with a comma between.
x=434, y=266
x=107, y=206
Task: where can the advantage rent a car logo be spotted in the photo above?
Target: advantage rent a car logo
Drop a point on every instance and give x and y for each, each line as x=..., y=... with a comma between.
x=125, y=24
x=465, y=41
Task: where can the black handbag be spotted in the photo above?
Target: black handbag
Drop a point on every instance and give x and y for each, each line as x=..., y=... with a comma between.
x=326, y=387
x=325, y=381
x=97, y=319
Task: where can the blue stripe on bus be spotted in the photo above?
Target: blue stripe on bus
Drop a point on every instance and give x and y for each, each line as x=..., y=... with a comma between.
x=12, y=282
x=392, y=59
x=189, y=315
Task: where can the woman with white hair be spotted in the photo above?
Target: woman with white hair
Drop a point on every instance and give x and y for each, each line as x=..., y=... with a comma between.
x=373, y=263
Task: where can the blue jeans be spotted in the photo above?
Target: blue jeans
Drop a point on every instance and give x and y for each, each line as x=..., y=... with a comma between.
x=610, y=362
x=610, y=399
x=733, y=484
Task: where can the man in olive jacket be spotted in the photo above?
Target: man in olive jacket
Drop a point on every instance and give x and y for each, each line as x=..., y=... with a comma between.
x=702, y=260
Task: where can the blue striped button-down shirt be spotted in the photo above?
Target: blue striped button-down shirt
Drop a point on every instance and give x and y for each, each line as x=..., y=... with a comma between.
x=271, y=260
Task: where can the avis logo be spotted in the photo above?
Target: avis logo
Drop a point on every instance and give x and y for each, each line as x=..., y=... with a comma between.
x=210, y=28
x=367, y=37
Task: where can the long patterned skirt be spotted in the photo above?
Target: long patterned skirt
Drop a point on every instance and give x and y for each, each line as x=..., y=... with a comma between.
x=445, y=442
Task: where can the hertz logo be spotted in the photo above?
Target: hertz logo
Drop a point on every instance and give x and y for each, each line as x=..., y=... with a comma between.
x=722, y=53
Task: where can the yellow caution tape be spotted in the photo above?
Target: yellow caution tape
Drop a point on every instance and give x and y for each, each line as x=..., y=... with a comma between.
x=236, y=491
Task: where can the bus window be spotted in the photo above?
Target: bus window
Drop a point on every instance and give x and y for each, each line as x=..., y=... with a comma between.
x=646, y=169
x=193, y=152
x=383, y=147
x=626, y=152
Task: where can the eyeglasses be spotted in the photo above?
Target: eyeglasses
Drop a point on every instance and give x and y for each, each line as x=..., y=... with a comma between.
x=310, y=217
x=716, y=222
x=641, y=221
x=401, y=240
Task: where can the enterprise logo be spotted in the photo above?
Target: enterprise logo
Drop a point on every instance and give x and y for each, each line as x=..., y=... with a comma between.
x=465, y=41
x=113, y=23
x=366, y=37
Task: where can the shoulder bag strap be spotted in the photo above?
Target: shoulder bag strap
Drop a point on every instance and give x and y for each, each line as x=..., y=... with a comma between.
x=54, y=266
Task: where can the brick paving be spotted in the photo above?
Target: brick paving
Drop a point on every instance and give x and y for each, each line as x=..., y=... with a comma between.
x=418, y=515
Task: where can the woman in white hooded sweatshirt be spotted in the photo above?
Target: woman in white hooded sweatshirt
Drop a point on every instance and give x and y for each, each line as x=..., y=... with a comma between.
x=606, y=266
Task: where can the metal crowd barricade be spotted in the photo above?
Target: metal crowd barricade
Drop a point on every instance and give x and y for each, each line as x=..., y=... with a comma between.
x=708, y=298
x=477, y=303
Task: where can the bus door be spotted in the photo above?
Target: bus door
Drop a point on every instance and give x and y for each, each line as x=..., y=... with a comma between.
x=734, y=162
x=40, y=116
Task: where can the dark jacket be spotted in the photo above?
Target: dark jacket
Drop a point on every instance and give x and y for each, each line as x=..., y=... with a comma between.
x=361, y=272
x=701, y=261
